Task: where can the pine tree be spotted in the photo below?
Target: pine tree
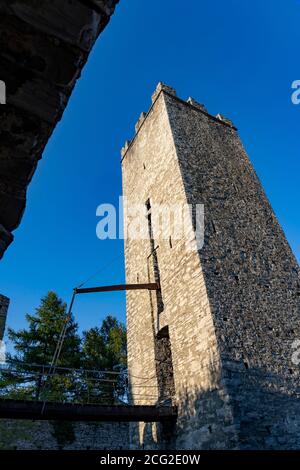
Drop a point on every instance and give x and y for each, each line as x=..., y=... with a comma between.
x=104, y=349
x=81, y=371
x=35, y=346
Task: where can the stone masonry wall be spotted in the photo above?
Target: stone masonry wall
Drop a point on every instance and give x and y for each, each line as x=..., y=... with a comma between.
x=232, y=308
x=51, y=435
x=251, y=275
x=4, y=304
x=151, y=170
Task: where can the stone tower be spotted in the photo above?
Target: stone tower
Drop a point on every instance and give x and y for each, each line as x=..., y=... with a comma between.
x=217, y=338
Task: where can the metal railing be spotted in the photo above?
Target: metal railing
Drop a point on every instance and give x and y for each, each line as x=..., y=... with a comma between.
x=21, y=381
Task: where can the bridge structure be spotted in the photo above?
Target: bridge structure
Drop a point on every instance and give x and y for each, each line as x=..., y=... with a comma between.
x=29, y=391
x=34, y=391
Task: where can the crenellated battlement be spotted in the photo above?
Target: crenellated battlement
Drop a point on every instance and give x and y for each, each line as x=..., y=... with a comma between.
x=163, y=88
x=217, y=337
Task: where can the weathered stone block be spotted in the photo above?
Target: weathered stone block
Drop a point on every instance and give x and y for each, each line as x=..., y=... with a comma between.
x=4, y=304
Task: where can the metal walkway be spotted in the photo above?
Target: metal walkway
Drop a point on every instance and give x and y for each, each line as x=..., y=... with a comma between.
x=55, y=393
x=87, y=395
x=23, y=409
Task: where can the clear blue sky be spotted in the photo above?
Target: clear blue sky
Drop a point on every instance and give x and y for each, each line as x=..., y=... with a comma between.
x=238, y=57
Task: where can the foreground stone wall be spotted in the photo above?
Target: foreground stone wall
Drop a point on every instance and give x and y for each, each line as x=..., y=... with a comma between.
x=231, y=307
x=4, y=304
x=43, y=47
x=45, y=435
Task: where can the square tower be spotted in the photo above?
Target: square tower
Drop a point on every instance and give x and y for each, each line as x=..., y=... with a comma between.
x=217, y=338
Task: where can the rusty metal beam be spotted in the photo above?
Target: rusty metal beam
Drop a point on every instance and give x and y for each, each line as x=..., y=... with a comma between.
x=25, y=409
x=118, y=287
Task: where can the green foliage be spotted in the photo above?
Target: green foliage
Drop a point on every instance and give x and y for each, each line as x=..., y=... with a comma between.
x=36, y=345
x=101, y=349
x=104, y=349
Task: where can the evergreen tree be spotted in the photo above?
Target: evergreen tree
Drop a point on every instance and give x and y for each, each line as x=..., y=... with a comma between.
x=35, y=346
x=81, y=372
x=104, y=349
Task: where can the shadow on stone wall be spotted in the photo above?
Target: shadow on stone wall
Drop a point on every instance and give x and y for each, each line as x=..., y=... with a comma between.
x=245, y=409
x=265, y=406
x=58, y=435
